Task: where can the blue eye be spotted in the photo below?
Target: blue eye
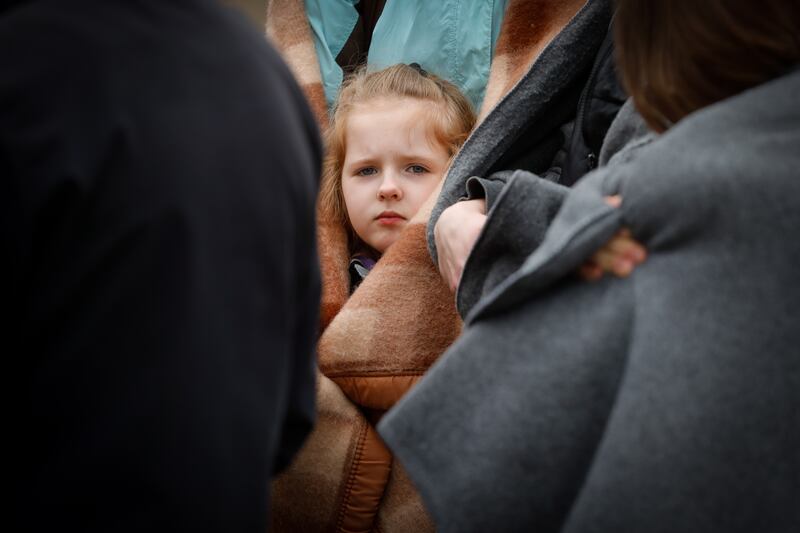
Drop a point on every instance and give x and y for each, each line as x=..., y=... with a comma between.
x=417, y=169
x=367, y=171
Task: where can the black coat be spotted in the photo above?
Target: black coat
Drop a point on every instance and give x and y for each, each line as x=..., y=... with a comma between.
x=159, y=172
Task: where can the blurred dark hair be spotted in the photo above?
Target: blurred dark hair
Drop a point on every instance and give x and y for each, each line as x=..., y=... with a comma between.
x=677, y=56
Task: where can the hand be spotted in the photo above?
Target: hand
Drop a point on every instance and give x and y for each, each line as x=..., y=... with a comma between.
x=619, y=256
x=455, y=234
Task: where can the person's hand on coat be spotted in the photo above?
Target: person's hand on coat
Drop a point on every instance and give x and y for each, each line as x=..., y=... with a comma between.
x=620, y=256
x=455, y=234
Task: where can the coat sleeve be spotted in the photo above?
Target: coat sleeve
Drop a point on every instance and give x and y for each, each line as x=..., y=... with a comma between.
x=515, y=227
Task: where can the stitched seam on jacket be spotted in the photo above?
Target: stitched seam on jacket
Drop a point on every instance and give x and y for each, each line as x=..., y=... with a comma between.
x=351, y=477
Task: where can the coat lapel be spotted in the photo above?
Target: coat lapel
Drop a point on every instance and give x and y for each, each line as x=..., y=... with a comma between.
x=552, y=65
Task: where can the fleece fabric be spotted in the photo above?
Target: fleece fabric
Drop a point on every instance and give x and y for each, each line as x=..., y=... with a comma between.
x=667, y=401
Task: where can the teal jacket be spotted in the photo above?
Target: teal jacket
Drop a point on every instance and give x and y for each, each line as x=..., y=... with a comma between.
x=454, y=39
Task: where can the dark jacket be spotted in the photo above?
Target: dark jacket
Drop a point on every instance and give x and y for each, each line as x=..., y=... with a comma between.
x=552, y=123
x=159, y=171
x=599, y=104
x=563, y=143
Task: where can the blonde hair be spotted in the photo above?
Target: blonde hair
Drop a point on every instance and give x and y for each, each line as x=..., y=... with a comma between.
x=452, y=118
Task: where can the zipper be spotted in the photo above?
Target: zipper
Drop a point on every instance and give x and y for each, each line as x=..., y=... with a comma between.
x=591, y=161
x=605, y=50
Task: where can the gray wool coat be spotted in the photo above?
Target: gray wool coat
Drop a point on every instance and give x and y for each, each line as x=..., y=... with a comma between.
x=668, y=401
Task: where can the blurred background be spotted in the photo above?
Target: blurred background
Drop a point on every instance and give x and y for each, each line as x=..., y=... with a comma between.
x=255, y=9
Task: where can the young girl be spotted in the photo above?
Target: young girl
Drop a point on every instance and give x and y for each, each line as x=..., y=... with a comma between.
x=391, y=138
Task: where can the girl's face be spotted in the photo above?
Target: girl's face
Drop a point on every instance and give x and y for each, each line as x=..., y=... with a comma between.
x=392, y=164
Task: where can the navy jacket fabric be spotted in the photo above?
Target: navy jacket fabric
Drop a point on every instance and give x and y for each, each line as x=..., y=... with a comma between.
x=159, y=170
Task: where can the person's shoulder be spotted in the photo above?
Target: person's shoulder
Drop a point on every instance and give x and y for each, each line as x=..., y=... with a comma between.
x=737, y=138
x=734, y=158
x=762, y=110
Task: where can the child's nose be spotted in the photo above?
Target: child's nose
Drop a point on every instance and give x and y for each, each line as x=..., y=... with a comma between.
x=390, y=188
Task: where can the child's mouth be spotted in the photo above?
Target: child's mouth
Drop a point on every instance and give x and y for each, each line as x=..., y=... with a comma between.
x=390, y=218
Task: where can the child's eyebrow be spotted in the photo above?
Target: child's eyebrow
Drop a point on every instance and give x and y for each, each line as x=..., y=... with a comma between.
x=360, y=162
x=405, y=157
x=420, y=157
